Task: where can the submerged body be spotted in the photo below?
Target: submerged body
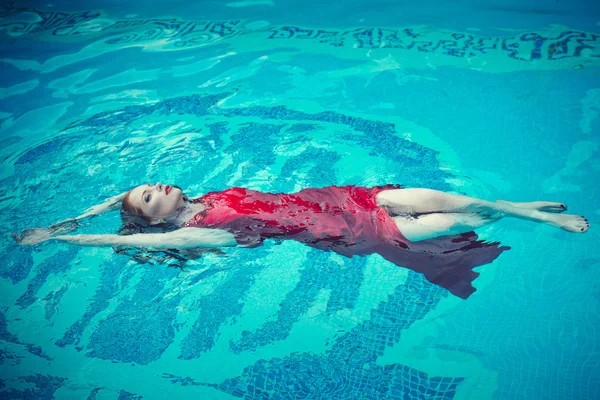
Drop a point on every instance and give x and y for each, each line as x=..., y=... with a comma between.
x=349, y=221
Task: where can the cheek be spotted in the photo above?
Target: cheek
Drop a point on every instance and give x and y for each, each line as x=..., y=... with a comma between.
x=162, y=207
x=152, y=208
x=171, y=204
x=147, y=209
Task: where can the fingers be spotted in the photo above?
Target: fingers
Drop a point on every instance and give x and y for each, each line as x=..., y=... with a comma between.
x=32, y=236
x=18, y=238
x=21, y=239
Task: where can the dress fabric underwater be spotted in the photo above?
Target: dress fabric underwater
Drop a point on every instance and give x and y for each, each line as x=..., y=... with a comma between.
x=348, y=221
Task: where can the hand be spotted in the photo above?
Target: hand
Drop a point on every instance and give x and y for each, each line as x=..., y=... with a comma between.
x=32, y=236
x=64, y=227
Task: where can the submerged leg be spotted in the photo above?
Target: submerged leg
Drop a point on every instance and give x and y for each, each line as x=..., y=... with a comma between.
x=432, y=225
x=422, y=201
x=416, y=202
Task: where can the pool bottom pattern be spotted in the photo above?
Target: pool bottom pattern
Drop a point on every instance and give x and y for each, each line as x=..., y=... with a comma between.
x=131, y=316
x=349, y=370
x=173, y=33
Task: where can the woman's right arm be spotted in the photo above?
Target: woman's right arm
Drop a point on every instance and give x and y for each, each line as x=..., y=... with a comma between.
x=181, y=239
x=111, y=203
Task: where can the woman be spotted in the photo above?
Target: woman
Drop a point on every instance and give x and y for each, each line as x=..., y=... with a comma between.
x=428, y=231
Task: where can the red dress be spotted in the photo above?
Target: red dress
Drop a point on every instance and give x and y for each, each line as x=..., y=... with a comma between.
x=348, y=221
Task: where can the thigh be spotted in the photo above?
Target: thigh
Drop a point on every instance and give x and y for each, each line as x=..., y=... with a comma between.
x=418, y=201
x=439, y=224
x=424, y=227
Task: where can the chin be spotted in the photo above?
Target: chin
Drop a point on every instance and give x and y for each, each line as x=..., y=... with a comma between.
x=179, y=198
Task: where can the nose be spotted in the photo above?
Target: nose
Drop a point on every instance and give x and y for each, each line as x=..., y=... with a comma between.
x=159, y=186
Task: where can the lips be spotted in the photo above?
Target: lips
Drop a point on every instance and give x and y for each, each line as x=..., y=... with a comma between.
x=168, y=189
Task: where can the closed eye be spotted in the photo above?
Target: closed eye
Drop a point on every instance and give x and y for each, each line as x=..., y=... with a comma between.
x=147, y=198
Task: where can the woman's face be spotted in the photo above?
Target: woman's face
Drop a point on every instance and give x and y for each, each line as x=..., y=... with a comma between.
x=156, y=200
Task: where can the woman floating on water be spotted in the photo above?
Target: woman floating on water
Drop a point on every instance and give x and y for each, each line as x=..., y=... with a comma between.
x=428, y=231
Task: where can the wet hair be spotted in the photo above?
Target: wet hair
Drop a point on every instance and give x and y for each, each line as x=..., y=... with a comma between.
x=134, y=221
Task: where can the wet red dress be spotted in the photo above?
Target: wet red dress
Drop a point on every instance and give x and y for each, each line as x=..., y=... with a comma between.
x=348, y=221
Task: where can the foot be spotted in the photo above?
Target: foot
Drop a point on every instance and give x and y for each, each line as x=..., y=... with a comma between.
x=569, y=222
x=546, y=206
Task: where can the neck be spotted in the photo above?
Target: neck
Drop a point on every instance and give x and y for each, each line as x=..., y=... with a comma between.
x=185, y=213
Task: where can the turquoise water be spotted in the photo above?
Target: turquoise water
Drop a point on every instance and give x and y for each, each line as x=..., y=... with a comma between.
x=489, y=100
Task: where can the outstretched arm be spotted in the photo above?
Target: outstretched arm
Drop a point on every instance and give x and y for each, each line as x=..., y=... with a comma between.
x=37, y=235
x=109, y=204
x=181, y=239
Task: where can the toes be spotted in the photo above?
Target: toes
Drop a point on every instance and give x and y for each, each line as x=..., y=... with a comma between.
x=586, y=222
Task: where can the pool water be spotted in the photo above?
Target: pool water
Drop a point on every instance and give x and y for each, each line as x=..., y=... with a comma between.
x=494, y=100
